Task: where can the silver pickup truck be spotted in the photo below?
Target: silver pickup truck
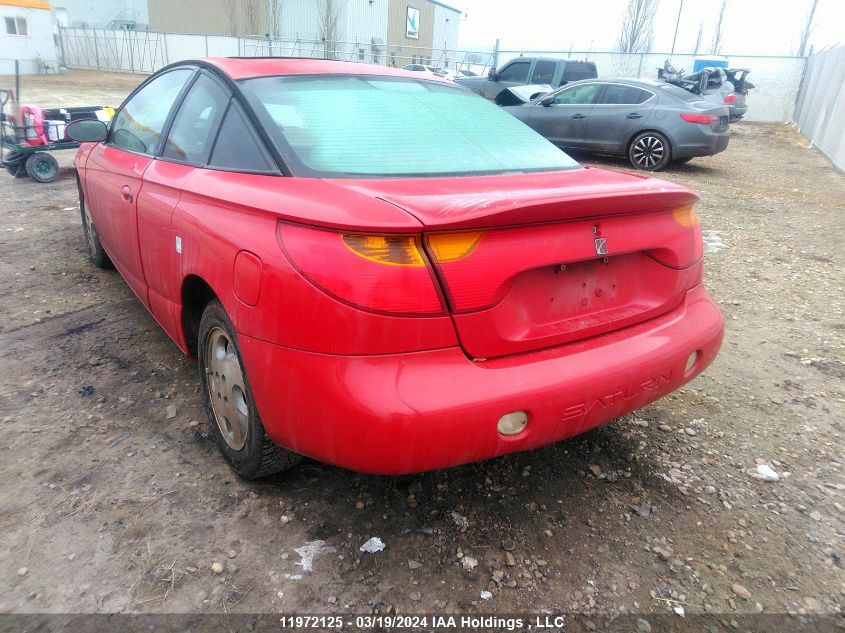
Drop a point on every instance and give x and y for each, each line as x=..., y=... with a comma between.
x=529, y=70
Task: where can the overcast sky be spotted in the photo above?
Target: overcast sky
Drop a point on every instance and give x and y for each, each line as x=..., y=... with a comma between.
x=751, y=27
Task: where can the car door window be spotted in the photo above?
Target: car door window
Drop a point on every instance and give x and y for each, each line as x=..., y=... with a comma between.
x=236, y=147
x=617, y=94
x=577, y=95
x=517, y=72
x=543, y=72
x=138, y=125
x=196, y=122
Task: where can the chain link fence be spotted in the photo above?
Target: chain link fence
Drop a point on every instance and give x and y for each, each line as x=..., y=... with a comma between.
x=776, y=80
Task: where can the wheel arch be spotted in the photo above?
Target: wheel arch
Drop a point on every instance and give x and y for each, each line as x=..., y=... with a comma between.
x=196, y=294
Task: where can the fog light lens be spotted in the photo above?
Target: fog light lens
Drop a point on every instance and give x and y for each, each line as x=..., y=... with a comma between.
x=513, y=423
x=691, y=361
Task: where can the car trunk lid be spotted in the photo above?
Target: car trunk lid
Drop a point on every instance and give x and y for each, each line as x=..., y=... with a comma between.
x=516, y=199
x=538, y=260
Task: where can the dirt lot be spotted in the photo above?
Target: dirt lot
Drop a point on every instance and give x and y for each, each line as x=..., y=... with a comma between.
x=109, y=505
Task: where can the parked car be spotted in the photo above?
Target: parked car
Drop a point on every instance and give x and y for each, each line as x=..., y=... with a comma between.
x=363, y=286
x=738, y=77
x=425, y=69
x=650, y=122
x=530, y=70
x=717, y=85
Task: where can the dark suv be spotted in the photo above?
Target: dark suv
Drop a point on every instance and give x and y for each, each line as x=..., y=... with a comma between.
x=529, y=70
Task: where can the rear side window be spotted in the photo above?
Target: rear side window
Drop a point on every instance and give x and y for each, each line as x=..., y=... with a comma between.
x=195, y=125
x=680, y=93
x=575, y=71
x=615, y=94
x=517, y=71
x=236, y=147
x=543, y=73
x=137, y=127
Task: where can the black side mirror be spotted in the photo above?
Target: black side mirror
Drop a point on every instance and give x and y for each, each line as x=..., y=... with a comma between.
x=493, y=75
x=86, y=131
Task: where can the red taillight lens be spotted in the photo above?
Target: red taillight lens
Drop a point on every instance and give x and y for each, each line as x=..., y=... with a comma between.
x=699, y=118
x=382, y=273
x=731, y=98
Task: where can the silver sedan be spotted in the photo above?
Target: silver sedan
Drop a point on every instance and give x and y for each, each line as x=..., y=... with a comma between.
x=650, y=122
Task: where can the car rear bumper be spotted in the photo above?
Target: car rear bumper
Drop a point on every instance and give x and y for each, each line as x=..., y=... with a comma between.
x=704, y=143
x=404, y=413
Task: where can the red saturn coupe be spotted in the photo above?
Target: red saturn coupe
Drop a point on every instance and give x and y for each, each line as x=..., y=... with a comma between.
x=384, y=271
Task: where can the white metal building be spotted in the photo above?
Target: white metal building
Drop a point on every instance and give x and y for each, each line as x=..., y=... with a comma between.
x=26, y=35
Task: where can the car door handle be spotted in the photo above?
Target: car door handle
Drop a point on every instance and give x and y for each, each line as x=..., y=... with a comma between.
x=579, y=116
x=635, y=115
x=126, y=193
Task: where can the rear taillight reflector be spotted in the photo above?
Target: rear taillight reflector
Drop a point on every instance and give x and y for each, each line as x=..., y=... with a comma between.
x=392, y=250
x=450, y=247
x=699, y=118
x=685, y=216
x=381, y=273
x=731, y=98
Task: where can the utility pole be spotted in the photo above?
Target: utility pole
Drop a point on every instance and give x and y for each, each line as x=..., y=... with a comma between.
x=677, y=24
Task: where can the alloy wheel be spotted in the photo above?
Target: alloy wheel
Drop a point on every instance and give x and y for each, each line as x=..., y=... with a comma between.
x=648, y=151
x=226, y=388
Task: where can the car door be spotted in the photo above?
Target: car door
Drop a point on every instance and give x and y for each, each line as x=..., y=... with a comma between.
x=563, y=120
x=186, y=149
x=115, y=168
x=619, y=111
x=514, y=73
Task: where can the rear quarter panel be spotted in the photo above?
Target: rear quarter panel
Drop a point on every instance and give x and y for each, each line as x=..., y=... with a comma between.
x=215, y=224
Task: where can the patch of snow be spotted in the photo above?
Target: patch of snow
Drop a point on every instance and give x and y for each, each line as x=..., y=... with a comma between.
x=373, y=545
x=310, y=551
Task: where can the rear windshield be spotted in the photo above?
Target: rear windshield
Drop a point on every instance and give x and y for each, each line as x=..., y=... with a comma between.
x=679, y=92
x=348, y=126
x=576, y=71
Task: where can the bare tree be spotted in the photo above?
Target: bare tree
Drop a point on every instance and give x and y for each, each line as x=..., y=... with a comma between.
x=275, y=17
x=716, y=47
x=329, y=17
x=251, y=17
x=808, y=30
x=233, y=17
x=637, y=26
x=698, y=37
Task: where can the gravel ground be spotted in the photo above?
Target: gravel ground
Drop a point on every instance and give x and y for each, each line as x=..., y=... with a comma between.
x=110, y=505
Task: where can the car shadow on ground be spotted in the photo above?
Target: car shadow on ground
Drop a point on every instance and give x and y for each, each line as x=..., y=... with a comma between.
x=698, y=166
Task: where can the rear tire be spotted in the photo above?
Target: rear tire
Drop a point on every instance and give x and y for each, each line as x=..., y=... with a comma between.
x=42, y=167
x=96, y=253
x=235, y=424
x=649, y=151
x=16, y=170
